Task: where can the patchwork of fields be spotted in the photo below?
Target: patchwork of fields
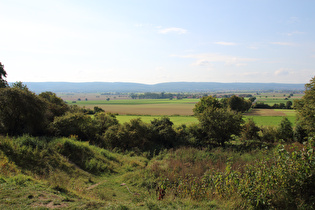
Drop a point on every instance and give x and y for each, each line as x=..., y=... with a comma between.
x=179, y=111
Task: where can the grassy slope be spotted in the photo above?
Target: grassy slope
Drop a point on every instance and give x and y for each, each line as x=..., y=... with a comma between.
x=63, y=173
x=70, y=174
x=66, y=173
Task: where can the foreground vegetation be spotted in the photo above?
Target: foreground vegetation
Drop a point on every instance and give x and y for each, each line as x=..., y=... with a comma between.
x=56, y=155
x=63, y=172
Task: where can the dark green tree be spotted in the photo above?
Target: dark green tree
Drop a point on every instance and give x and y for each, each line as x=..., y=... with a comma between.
x=220, y=125
x=3, y=73
x=285, y=130
x=299, y=133
x=19, y=85
x=22, y=112
x=239, y=104
x=163, y=132
x=130, y=135
x=250, y=130
x=76, y=124
x=55, y=104
x=252, y=99
x=288, y=105
x=306, y=108
x=206, y=102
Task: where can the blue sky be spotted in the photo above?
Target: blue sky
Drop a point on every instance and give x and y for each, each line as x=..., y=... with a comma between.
x=154, y=41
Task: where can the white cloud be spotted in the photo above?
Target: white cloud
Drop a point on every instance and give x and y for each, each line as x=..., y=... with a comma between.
x=294, y=33
x=209, y=59
x=202, y=62
x=226, y=43
x=293, y=20
x=172, y=30
x=283, y=43
x=282, y=72
x=252, y=73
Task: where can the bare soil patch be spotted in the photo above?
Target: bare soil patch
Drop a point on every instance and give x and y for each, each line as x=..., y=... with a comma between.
x=265, y=112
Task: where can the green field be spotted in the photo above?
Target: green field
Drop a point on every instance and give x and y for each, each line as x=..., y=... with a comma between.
x=270, y=120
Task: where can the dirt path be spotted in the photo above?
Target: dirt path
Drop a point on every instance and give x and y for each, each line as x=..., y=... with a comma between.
x=95, y=185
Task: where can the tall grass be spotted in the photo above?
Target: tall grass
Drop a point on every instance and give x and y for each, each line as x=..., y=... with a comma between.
x=279, y=178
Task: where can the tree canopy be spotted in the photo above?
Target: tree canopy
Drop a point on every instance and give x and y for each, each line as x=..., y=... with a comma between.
x=21, y=111
x=217, y=121
x=306, y=108
x=3, y=73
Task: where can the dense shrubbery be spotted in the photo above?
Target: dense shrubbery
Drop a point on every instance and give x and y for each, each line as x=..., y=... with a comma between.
x=262, y=105
x=282, y=178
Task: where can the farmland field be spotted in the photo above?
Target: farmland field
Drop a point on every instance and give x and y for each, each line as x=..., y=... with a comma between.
x=177, y=120
x=143, y=106
x=179, y=111
x=262, y=117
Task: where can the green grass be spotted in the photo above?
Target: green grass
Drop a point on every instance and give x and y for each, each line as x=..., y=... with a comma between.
x=177, y=120
x=270, y=120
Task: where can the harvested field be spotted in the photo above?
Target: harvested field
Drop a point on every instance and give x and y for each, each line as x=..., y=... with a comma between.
x=145, y=109
x=265, y=112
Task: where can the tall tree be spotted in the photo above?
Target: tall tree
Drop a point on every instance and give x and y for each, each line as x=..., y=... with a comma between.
x=205, y=103
x=3, y=73
x=220, y=124
x=239, y=104
x=306, y=108
x=55, y=104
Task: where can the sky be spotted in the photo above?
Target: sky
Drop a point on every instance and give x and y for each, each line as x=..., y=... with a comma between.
x=156, y=41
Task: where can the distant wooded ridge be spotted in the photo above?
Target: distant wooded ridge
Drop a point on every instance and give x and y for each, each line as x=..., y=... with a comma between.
x=96, y=87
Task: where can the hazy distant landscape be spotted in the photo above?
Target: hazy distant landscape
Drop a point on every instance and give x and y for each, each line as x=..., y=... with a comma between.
x=124, y=87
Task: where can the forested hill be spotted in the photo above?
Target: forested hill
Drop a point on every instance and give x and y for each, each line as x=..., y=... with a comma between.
x=167, y=87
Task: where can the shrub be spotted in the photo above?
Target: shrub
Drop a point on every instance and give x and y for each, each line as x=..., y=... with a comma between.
x=74, y=124
x=21, y=111
x=285, y=130
x=250, y=130
x=268, y=134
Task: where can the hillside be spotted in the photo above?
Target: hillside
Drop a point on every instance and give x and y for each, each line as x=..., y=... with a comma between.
x=92, y=87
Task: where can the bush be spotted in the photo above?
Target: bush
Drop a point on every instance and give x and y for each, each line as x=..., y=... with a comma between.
x=134, y=134
x=250, y=130
x=21, y=112
x=74, y=124
x=285, y=130
x=268, y=134
x=163, y=133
